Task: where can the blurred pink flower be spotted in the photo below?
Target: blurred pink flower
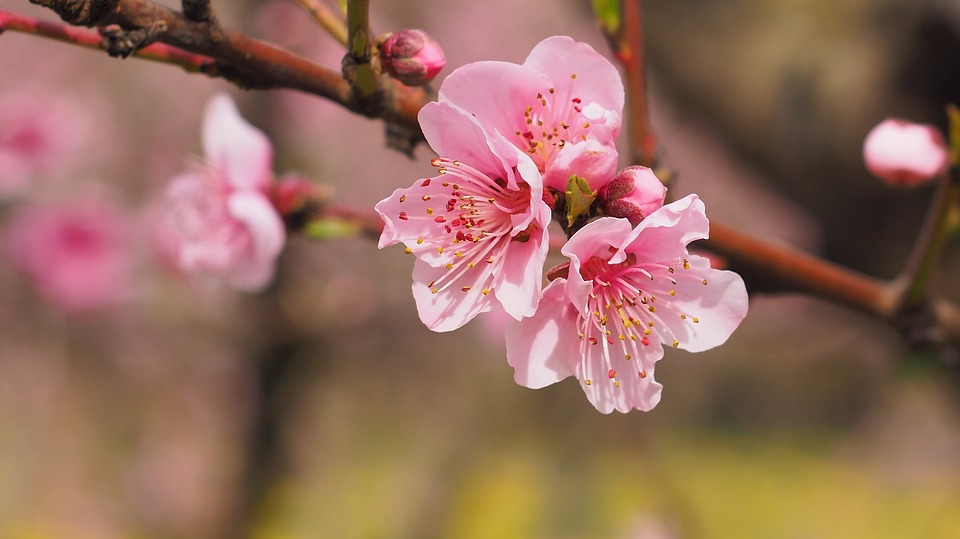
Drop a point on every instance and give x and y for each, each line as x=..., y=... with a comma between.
x=40, y=133
x=78, y=256
x=905, y=153
x=478, y=229
x=217, y=219
x=562, y=107
x=633, y=194
x=629, y=292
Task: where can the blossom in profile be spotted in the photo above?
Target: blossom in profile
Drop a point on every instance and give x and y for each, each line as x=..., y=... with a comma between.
x=905, y=153
x=562, y=107
x=78, y=256
x=629, y=292
x=216, y=219
x=478, y=229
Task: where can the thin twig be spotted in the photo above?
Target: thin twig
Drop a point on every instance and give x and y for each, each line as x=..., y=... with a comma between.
x=627, y=45
x=158, y=52
x=331, y=21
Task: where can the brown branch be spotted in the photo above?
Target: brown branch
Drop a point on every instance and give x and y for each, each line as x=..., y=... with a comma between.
x=243, y=60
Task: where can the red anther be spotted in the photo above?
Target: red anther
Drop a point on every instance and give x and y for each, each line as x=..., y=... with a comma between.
x=576, y=100
x=645, y=341
x=425, y=183
x=441, y=219
x=612, y=374
x=403, y=216
x=642, y=374
x=592, y=340
x=528, y=135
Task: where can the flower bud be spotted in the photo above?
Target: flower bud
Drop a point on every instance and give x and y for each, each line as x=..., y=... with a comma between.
x=905, y=153
x=633, y=194
x=411, y=56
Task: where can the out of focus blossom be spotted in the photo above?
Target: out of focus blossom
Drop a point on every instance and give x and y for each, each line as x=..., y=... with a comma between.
x=629, y=292
x=905, y=153
x=41, y=133
x=562, y=107
x=77, y=256
x=412, y=57
x=478, y=229
x=633, y=194
x=217, y=218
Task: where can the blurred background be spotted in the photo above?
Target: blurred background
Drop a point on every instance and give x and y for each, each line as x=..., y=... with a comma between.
x=141, y=403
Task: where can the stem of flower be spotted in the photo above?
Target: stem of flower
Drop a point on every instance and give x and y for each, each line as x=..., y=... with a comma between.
x=360, y=73
x=331, y=21
x=916, y=276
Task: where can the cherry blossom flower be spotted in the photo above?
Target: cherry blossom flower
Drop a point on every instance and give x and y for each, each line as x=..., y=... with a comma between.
x=905, y=153
x=478, y=229
x=217, y=219
x=629, y=292
x=562, y=107
x=78, y=256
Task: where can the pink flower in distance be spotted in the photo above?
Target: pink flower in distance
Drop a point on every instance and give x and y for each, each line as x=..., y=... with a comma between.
x=478, y=229
x=629, y=292
x=905, y=153
x=78, y=256
x=217, y=219
x=562, y=107
x=41, y=133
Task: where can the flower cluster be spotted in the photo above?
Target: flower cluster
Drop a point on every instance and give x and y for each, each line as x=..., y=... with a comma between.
x=518, y=144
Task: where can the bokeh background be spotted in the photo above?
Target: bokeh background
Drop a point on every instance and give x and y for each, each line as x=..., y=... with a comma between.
x=323, y=408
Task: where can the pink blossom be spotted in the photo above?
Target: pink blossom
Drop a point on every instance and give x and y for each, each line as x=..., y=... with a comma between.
x=905, y=153
x=633, y=194
x=562, y=107
x=40, y=133
x=217, y=219
x=629, y=292
x=78, y=256
x=478, y=229
x=412, y=57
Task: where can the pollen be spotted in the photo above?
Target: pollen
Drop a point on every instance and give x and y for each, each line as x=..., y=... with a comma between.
x=704, y=282
x=486, y=291
x=419, y=241
x=403, y=197
x=408, y=251
x=587, y=381
x=425, y=198
x=673, y=292
x=465, y=288
x=676, y=343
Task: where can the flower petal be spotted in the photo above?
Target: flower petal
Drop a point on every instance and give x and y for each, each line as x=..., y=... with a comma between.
x=455, y=305
x=518, y=284
x=267, y=236
x=241, y=152
x=596, y=80
x=590, y=159
x=544, y=348
x=713, y=310
x=665, y=233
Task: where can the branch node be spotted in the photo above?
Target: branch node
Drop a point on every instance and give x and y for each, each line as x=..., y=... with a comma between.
x=80, y=12
x=120, y=42
x=198, y=10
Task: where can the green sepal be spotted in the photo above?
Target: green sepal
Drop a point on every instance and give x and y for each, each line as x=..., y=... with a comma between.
x=608, y=15
x=326, y=229
x=579, y=198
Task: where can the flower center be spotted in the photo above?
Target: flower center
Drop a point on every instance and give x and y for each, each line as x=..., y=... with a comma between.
x=624, y=316
x=550, y=122
x=471, y=222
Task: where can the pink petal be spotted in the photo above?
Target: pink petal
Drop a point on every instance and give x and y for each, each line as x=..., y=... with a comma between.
x=239, y=151
x=518, y=284
x=267, y=236
x=597, y=80
x=452, y=307
x=590, y=159
x=719, y=306
x=634, y=392
x=495, y=92
x=665, y=233
x=544, y=348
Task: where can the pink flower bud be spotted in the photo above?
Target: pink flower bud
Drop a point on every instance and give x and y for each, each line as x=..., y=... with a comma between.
x=412, y=57
x=633, y=194
x=904, y=153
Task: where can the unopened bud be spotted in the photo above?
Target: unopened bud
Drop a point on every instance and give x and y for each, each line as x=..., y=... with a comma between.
x=411, y=56
x=293, y=197
x=633, y=194
x=905, y=153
